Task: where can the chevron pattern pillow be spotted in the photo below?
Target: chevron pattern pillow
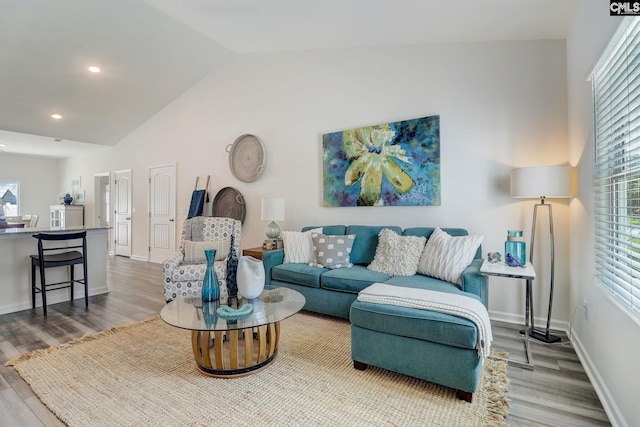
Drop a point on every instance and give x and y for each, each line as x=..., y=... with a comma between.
x=297, y=246
x=445, y=257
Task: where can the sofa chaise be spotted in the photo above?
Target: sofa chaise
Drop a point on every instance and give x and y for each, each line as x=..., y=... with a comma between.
x=433, y=346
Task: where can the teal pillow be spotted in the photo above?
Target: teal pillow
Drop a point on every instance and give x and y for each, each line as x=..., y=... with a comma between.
x=364, y=248
x=332, y=251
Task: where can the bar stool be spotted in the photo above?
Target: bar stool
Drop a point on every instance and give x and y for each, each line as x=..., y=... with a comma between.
x=57, y=254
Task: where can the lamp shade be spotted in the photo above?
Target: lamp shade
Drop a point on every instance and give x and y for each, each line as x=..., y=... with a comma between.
x=542, y=181
x=272, y=209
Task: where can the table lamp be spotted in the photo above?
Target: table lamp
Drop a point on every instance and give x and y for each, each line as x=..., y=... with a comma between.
x=272, y=210
x=542, y=182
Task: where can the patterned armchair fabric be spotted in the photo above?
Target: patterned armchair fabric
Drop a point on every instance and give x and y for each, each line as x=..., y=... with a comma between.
x=186, y=279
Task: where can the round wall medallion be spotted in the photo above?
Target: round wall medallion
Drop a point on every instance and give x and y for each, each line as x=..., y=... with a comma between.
x=247, y=157
x=229, y=203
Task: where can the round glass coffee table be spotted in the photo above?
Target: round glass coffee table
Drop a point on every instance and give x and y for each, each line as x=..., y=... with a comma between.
x=227, y=348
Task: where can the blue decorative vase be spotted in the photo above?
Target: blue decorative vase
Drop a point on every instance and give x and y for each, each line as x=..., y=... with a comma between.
x=67, y=199
x=210, y=313
x=515, y=246
x=210, y=284
x=232, y=270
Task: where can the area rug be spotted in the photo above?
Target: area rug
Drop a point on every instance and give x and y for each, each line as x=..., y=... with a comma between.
x=144, y=374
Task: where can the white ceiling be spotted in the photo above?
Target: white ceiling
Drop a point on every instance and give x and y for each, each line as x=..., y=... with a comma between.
x=153, y=50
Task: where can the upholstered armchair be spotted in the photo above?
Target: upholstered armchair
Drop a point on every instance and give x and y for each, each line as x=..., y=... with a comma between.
x=184, y=271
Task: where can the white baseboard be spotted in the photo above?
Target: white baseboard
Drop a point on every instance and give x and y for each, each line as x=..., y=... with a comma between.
x=139, y=258
x=53, y=297
x=518, y=319
x=608, y=403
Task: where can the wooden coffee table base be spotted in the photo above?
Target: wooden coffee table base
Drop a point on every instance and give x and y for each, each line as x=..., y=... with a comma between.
x=235, y=352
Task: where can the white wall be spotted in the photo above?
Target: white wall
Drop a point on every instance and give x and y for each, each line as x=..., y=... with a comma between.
x=501, y=105
x=607, y=340
x=39, y=182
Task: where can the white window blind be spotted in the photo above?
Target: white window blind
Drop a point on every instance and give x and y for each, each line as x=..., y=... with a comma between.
x=616, y=100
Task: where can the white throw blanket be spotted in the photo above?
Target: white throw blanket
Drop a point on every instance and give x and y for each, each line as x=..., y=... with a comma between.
x=457, y=305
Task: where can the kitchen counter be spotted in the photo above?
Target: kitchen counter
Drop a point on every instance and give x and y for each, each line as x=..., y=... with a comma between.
x=16, y=247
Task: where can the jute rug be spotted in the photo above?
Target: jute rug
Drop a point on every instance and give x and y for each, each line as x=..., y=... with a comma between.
x=144, y=374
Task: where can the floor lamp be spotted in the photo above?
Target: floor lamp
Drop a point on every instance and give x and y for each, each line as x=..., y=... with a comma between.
x=542, y=182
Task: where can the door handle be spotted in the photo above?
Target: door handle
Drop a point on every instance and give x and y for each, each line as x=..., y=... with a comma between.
x=171, y=220
x=128, y=218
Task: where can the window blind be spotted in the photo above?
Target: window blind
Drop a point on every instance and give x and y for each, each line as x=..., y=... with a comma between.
x=616, y=101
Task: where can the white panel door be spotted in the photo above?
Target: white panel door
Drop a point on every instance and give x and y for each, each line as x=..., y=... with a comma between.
x=162, y=213
x=122, y=211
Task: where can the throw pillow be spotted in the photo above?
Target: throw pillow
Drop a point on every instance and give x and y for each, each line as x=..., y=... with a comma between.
x=397, y=255
x=297, y=246
x=194, y=251
x=332, y=251
x=445, y=257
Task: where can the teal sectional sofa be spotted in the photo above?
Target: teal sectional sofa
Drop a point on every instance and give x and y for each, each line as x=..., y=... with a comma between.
x=433, y=346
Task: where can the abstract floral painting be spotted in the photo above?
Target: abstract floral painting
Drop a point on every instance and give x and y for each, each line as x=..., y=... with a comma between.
x=393, y=164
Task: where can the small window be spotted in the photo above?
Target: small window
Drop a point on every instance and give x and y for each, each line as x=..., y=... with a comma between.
x=10, y=198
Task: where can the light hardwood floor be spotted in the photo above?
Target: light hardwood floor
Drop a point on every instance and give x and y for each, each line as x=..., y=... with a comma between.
x=556, y=393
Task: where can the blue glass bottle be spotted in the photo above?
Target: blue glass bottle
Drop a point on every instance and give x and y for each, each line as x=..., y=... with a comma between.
x=515, y=246
x=210, y=284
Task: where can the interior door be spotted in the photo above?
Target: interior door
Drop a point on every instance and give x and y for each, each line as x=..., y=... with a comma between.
x=101, y=209
x=162, y=212
x=122, y=213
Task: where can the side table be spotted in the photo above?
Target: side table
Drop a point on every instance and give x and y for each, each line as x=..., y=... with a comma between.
x=254, y=252
x=528, y=274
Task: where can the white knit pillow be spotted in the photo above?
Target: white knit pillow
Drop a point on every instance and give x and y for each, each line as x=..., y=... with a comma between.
x=297, y=246
x=445, y=257
x=397, y=255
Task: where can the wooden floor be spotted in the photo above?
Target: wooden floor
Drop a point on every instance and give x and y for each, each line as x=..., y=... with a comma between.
x=556, y=393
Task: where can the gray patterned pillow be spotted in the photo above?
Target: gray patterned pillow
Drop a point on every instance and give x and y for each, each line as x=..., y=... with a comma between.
x=332, y=251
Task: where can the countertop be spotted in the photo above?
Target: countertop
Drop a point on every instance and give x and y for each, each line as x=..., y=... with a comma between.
x=25, y=232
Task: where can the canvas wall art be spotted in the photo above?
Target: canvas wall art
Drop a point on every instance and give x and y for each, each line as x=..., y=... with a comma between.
x=392, y=164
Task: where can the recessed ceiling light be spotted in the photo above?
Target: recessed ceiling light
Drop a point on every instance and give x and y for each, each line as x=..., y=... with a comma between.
x=56, y=116
x=94, y=69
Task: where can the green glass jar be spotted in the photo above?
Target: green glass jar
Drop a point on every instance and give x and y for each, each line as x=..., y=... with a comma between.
x=515, y=246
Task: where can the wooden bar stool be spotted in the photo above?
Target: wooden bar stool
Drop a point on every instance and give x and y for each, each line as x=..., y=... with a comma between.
x=61, y=250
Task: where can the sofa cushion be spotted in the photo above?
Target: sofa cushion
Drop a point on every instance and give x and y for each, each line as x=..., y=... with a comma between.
x=430, y=283
x=416, y=323
x=364, y=248
x=195, y=272
x=397, y=255
x=332, y=251
x=446, y=257
x=351, y=280
x=300, y=274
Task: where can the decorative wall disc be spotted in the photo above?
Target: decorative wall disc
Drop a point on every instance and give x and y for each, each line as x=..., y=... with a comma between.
x=229, y=203
x=247, y=157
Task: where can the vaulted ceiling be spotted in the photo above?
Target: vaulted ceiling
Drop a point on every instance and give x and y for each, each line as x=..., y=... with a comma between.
x=150, y=51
